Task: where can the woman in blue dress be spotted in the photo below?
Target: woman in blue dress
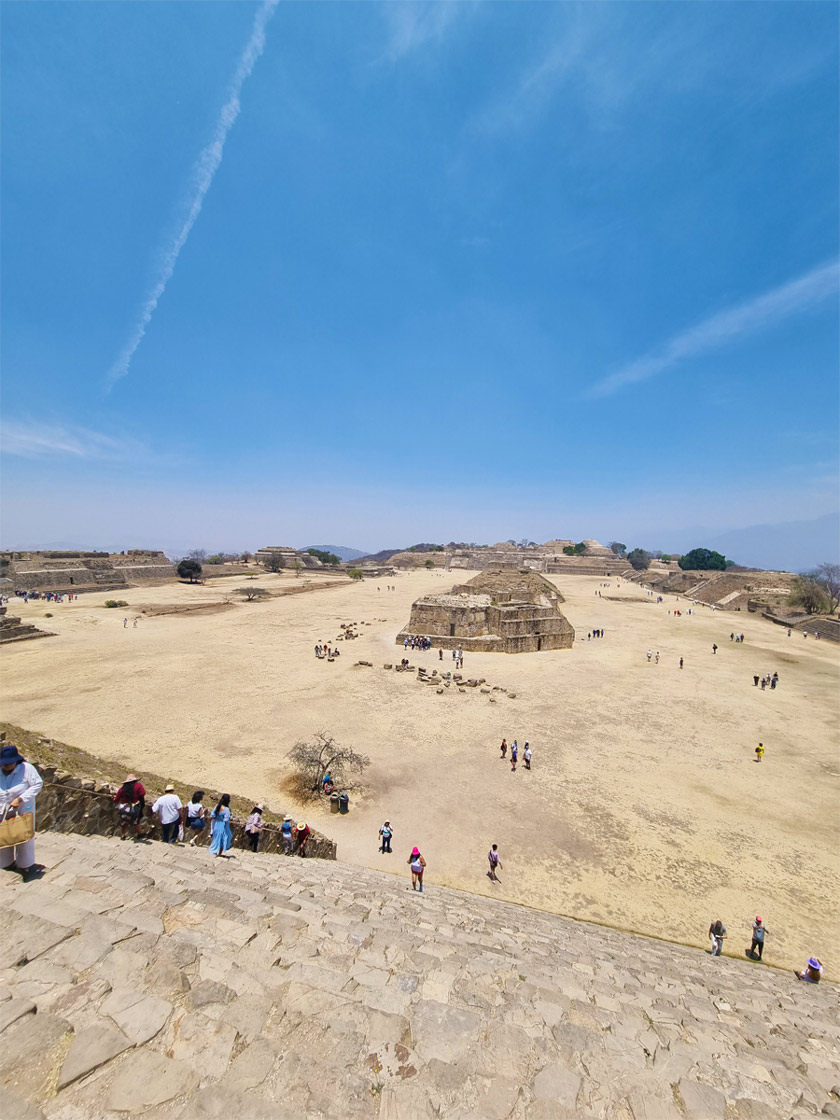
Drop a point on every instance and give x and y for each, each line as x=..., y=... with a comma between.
x=221, y=837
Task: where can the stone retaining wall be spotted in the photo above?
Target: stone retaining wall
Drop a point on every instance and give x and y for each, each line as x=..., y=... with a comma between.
x=71, y=804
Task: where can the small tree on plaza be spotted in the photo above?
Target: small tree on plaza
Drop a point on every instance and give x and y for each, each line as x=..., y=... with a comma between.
x=312, y=761
x=252, y=593
x=189, y=569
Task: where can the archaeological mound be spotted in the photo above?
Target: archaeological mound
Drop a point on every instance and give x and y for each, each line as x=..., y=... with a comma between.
x=501, y=610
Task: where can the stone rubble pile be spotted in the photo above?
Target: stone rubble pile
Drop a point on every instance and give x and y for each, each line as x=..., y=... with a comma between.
x=160, y=982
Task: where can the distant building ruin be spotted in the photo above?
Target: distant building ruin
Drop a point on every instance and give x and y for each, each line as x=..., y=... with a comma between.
x=502, y=610
x=84, y=571
x=275, y=557
x=595, y=560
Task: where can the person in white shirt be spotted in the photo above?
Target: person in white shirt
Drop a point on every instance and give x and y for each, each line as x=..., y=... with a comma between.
x=20, y=784
x=253, y=827
x=170, y=808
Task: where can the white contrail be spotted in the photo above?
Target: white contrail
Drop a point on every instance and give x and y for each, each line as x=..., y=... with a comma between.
x=205, y=168
x=765, y=311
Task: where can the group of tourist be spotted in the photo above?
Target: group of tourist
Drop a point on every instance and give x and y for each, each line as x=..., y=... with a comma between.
x=595, y=634
x=178, y=821
x=766, y=680
x=527, y=754
x=417, y=641
x=811, y=973
x=45, y=596
x=733, y=637
x=324, y=650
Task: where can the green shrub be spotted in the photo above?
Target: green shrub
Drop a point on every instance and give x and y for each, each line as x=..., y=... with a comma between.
x=355, y=573
x=116, y=603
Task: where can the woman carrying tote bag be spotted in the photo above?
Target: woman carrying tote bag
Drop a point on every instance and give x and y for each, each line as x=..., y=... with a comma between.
x=20, y=784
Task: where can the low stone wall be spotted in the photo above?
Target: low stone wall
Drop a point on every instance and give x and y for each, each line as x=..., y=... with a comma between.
x=71, y=804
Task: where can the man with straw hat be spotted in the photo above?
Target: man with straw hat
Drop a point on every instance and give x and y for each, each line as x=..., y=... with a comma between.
x=20, y=784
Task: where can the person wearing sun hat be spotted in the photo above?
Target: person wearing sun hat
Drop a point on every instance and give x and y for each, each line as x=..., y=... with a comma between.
x=130, y=800
x=20, y=784
x=301, y=836
x=812, y=972
x=171, y=812
x=418, y=866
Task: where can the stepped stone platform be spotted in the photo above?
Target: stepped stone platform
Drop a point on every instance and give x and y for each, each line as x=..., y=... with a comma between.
x=160, y=982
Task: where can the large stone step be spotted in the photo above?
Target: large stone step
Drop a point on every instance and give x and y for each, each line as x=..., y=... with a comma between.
x=158, y=980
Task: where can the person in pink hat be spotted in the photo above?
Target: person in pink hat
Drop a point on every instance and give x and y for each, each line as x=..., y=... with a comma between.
x=418, y=866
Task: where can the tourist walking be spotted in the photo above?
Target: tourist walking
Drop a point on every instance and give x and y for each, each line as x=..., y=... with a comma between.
x=418, y=866
x=169, y=808
x=385, y=834
x=221, y=837
x=681, y=663
x=286, y=836
x=526, y=755
x=495, y=862
x=514, y=755
x=717, y=935
x=20, y=784
x=755, y=679
x=130, y=801
x=253, y=827
x=504, y=748
x=195, y=816
x=758, y=935
x=714, y=648
x=302, y=833
x=759, y=752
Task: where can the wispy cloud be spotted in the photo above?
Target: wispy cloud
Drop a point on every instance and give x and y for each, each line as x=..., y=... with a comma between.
x=755, y=315
x=205, y=169
x=415, y=23
x=32, y=439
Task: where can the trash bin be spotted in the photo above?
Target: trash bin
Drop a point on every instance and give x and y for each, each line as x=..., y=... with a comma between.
x=334, y=803
x=343, y=802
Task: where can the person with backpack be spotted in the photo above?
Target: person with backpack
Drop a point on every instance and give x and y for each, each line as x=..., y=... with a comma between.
x=287, y=836
x=418, y=866
x=253, y=827
x=130, y=801
x=385, y=834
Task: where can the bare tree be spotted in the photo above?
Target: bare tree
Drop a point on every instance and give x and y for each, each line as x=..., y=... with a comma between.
x=325, y=756
x=808, y=592
x=199, y=554
x=829, y=576
x=252, y=593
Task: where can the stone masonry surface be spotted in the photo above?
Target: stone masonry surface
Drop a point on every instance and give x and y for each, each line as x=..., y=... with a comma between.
x=160, y=982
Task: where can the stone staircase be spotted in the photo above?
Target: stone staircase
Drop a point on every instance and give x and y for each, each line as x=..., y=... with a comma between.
x=161, y=982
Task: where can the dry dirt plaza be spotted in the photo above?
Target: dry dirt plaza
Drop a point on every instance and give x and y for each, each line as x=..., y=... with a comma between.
x=645, y=808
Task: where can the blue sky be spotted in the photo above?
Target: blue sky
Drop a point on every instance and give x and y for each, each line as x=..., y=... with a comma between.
x=369, y=274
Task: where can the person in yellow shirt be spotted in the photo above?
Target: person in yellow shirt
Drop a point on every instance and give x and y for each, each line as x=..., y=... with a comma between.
x=759, y=752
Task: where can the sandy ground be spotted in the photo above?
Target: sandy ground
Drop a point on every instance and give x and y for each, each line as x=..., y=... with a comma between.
x=645, y=808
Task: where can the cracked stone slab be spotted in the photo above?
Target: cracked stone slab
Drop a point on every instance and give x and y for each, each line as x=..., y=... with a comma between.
x=90, y=1049
x=139, y=1017
x=13, y=1009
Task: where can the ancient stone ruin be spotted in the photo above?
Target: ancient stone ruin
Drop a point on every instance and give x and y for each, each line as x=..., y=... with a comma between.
x=498, y=611
x=276, y=556
x=84, y=571
x=595, y=560
x=12, y=629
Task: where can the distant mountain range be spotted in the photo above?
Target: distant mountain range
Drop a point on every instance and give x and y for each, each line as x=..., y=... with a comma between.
x=339, y=550
x=789, y=546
